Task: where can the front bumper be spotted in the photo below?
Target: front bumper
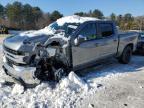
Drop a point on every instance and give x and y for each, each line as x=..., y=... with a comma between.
x=24, y=75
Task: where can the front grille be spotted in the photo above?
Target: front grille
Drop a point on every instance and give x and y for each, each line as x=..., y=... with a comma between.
x=11, y=63
x=12, y=51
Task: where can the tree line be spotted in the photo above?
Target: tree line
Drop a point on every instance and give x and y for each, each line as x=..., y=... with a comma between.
x=125, y=22
x=26, y=17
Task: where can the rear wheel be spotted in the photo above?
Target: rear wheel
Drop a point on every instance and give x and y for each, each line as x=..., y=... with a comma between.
x=126, y=55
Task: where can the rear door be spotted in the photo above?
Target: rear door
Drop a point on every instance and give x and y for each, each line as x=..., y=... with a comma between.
x=109, y=39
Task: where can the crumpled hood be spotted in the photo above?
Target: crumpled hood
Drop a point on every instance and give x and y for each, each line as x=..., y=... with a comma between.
x=21, y=41
x=18, y=42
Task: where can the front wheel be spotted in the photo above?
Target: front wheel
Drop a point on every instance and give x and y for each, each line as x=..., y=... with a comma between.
x=126, y=55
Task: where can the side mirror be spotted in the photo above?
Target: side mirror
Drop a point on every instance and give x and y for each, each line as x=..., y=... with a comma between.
x=79, y=39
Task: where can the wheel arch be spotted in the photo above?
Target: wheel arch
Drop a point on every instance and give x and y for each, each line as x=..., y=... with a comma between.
x=131, y=45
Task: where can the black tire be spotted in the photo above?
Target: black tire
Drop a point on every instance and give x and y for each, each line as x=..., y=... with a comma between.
x=126, y=55
x=142, y=50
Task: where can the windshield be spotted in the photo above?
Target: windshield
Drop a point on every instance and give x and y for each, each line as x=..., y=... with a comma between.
x=67, y=28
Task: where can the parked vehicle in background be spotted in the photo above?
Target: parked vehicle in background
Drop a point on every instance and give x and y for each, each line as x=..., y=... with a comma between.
x=3, y=30
x=70, y=43
x=140, y=45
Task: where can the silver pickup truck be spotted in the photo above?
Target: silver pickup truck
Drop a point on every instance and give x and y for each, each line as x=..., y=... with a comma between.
x=70, y=43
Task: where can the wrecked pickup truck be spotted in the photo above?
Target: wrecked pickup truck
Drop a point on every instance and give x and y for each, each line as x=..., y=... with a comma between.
x=70, y=43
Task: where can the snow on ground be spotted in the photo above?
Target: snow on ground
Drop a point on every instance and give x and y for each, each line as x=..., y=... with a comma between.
x=93, y=88
x=65, y=94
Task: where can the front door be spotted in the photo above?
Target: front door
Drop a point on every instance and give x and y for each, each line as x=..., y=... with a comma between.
x=87, y=50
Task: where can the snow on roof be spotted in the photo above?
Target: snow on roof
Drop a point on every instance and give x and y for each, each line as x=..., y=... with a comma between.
x=74, y=19
x=44, y=31
x=48, y=31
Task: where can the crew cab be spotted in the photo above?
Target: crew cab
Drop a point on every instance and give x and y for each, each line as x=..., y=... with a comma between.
x=70, y=43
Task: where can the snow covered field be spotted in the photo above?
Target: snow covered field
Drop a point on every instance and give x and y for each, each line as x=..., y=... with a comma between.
x=113, y=85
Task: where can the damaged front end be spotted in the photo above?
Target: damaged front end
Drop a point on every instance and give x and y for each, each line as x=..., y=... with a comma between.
x=46, y=62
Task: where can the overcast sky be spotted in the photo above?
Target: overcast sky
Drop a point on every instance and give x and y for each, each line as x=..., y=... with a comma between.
x=68, y=7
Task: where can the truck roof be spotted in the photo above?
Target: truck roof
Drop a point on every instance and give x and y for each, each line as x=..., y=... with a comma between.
x=75, y=19
x=60, y=22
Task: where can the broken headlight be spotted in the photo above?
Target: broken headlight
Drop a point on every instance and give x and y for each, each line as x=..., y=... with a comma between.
x=26, y=59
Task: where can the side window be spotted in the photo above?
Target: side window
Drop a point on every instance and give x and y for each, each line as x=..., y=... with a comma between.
x=89, y=31
x=142, y=35
x=106, y=29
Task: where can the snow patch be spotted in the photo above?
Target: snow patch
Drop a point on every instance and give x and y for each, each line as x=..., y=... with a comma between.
x=2, y=76
x=90, y=106
x=74, y=19
x=18, y=89
x=32, y=33
x=74, y=83
x=68, y=90
x=141, y=87
x=42, y=87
